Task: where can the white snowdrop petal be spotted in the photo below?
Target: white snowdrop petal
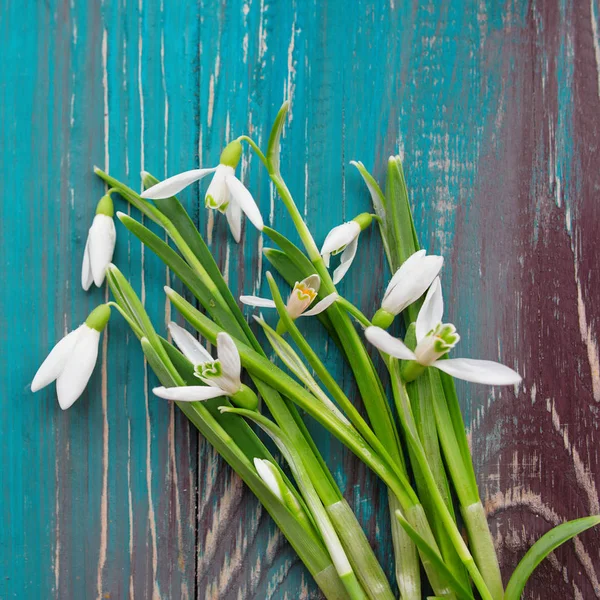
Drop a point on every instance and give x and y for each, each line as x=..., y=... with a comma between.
x=432, y=310
x=86, y=268
x=478, y=371
x=173, y=185
x=243, y=198
x=193, y=350
x=312, y=281
x=217, y=194
x=229, y=357
x=257, y=301
x=78, y=369
x=412, y=280
x=51, y=368
x=321, y=306
x=345, y=261
x=340, y=236
x=406, y=267
x=101, y=240
x=382, y=340
x=192, y=393
x=234, y=219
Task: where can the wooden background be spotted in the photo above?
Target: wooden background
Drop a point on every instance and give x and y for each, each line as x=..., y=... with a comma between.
x=495, y=106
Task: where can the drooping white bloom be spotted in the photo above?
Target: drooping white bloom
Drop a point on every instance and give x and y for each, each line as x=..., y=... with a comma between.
x=226, y=193
x=221, y=376
x=300, y=299
x=72, y=360
x=100, y=245
x=434, y=340
x=411, y=281
x=344, y=239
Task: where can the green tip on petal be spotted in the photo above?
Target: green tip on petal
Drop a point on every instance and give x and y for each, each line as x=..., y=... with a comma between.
x=99, y=317
x=231, y=154
x=364, y=220
x=382, y=318
x=105, y=206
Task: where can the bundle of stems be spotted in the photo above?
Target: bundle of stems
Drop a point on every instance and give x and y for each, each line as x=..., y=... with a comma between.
x=413, y=438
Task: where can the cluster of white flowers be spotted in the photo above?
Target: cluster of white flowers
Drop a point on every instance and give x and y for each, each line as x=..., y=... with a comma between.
x=72, y=360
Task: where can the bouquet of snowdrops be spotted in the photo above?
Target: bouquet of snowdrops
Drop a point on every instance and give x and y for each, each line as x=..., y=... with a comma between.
x=413, y=438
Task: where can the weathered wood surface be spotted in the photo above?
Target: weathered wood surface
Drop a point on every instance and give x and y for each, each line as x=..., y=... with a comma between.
x=496, y=107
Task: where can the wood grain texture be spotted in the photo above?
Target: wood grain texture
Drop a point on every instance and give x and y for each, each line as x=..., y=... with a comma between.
x=495, y=107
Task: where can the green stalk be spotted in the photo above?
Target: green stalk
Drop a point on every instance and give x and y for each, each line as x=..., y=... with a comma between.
x=419, y=393
x=463, y=477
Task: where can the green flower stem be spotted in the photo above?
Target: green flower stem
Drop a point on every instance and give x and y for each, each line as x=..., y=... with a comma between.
x=254, y=146
x=406, y=556
x=134, y=326
x=343, y=519
x=482, y=545
x=407, y=420
x=256, y=364
x=354, y=311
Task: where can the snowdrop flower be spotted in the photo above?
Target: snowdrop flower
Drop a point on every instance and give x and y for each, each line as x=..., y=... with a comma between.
x=407, y=285
x=221, y=376
x=72, y=361
x=226, y=193
x=300, y=299
x=344, y=239
x=434, y=340
x=100, y=244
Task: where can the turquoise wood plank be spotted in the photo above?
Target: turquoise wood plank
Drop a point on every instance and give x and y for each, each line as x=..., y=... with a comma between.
x=494, y=107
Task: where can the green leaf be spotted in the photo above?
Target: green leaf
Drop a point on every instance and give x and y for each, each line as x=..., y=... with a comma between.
x=540, y=550
x=434, y=557
x=401, y=230
x=275, y=138
x=187, y=275
x=379, y=204
x=294, y=253
x=294, y=363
